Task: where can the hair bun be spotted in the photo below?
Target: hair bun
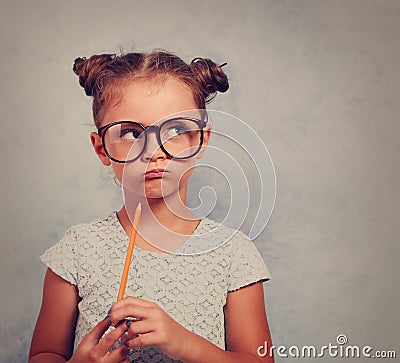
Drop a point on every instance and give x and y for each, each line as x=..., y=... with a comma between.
x=89, y=69
x=210, y=76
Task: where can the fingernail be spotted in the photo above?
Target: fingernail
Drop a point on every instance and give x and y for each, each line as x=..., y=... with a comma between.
x=127, y=344
x=128, y=323
x=108, y=315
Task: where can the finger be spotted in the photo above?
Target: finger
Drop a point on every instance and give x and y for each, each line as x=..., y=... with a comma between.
x=137, y=301
x=109, y=340
x=124, y=338
x=128, y=300
x=130, y=310
x=139, y=327
x=119, y=355
x=127, y=337
x=97, y=332
x=144, y=339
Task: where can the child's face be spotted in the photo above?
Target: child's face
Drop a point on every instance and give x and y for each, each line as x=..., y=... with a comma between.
x=149, y=102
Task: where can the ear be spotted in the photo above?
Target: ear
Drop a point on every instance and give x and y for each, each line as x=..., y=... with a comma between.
x=98, y=148
x=206, y=138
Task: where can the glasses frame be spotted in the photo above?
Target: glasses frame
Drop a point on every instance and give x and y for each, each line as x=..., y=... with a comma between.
x=156, y=128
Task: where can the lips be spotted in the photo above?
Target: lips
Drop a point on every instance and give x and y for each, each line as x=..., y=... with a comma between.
x=154, y=173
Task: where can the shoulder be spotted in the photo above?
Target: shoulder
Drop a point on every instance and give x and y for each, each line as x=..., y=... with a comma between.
x=218, y=241
x=80, y=242
x=236, y=252
x=97, y=225
x=208, y=238
x=84, y=235
x=95, y=229
x=227, y=238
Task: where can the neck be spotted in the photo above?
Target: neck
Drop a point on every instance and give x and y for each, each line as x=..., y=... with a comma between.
x=162, y=219
x=167, y=210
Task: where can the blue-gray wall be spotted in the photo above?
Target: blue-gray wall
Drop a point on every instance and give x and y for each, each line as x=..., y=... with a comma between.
x=318, y=80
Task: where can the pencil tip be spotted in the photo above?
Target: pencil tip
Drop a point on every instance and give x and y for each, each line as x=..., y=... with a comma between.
x=139, y=207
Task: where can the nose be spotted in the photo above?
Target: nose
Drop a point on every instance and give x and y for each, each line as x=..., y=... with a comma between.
x=152, y=150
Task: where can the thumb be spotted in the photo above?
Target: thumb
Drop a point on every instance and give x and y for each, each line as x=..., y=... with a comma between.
x=97, y=332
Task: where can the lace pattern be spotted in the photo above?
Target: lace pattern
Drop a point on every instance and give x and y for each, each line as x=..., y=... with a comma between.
x=192, y=289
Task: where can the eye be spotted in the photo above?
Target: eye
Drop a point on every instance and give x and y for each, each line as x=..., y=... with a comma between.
x=174, y=131
x=130, y=134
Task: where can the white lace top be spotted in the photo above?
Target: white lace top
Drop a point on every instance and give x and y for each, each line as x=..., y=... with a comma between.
x=192, y=289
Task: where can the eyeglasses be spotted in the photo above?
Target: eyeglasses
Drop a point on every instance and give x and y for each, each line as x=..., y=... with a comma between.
x=179, y=138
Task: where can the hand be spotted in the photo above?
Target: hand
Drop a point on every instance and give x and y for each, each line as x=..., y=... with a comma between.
x=155, y=326
x=92, y=349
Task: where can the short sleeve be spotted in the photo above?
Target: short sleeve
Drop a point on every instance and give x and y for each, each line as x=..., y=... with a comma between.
x=62, y=258
x=247, y=265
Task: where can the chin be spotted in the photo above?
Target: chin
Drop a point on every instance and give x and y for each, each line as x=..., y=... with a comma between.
x=153, y=194
x=157, y=194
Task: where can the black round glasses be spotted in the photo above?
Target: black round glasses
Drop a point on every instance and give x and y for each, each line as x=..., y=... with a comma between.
x=178, y=137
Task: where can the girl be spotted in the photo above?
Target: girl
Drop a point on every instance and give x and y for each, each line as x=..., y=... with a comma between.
x=198, y=307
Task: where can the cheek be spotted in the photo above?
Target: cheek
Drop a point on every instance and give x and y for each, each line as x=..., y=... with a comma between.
x=186, y=176
x=130, y=175
x=181, y=170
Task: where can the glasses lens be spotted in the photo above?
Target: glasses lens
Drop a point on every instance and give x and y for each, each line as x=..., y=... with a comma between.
x=124, y=141
x=181, y=137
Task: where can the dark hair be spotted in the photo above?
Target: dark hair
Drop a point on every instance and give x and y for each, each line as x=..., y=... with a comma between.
x=103, y=75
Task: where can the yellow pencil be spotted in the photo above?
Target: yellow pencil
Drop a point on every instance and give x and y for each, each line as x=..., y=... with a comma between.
x=129, y=253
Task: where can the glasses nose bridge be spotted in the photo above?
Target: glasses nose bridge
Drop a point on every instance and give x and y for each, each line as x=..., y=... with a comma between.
x=151, y=128
x=149, y=146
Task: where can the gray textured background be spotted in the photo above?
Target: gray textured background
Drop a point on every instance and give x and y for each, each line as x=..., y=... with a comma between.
x=318, y=80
